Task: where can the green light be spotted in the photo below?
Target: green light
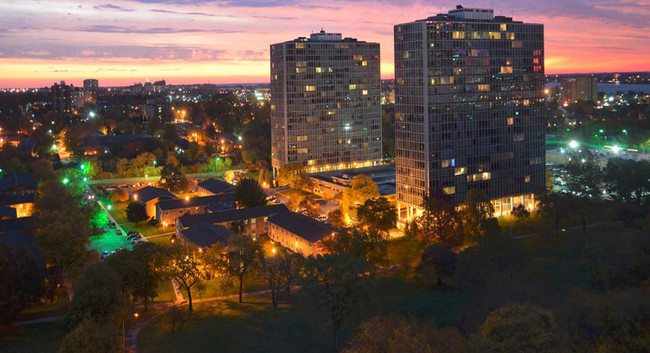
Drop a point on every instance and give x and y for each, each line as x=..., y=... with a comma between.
x=82, y=167
x=65, y=181
x=108, y=207
x=85, y=179
x=601, y=131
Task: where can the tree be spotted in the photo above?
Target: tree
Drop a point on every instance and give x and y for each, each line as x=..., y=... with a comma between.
x=249, y=193
x=336, y=284
x=377, y=214
x=440, y=223
x=477, y=215
x=242, y=254
x=97, y=296
x=335, y=218
x=292, y=174
x=22, y=281
x=362, y=188
x=519, y=328
x=290, y=266
x=407, y=249
x=585, y=175
x=271, y=272
x=91, y=337
x=147, y=273
x=136, y=212
x=368, y=245
x=628, y=180
x=185, y=267
x=62, y=230
x=553, y=208
x=396, y=334
x=520, y=212
x=438, y=262
x=119, y=195
x=42, y=170
x=73, y=138
x=172, y=179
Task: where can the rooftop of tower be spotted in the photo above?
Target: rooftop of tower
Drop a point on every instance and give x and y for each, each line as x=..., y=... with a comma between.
x=462, y=14
x=323, y=36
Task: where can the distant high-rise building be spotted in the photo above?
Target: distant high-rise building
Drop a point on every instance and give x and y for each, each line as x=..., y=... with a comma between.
x=325, y=103
x=159, y=86
x=469, y=109
x=61, y=98
x=581, y=88
x=91, y=84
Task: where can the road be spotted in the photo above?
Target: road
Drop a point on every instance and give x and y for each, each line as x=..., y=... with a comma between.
x=152, y=178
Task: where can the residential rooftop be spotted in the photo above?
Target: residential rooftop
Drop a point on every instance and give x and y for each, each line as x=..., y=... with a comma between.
x=303, y=226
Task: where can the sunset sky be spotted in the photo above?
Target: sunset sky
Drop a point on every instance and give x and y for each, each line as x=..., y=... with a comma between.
x=121, y=42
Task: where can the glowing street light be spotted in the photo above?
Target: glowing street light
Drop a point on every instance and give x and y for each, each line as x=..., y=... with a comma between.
x=616, y=149
x=574, y=144
x=65, y=181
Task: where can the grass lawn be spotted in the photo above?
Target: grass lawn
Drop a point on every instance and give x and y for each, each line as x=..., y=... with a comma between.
x=42, y=310
x=118, y=211
x=41, y=338
x=228, y=326
x=165, y=292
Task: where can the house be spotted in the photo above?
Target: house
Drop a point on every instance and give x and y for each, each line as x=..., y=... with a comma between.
x=227, y=144
x=204, y=235
x=252, y=220
x=17, y=192
x=211, y=187
x=299, y=233
x=149, y=196
x=168, y=210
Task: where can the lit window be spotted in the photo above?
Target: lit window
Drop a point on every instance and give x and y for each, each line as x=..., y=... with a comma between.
x=445, y=163
x=300, y=45
x=527, y=179
x=504, y=27
x=495, y=35
x=311, y=162
x=364, y=63
x=458, y=35
x=353, y=86
x=357, y=57
x=319, y=70
x=450, y=190
x=506, y=69
x=303, y=150
x=301, y=138
x=365, y=92
x=310, y=88
x=511, y=121
x=483, y=88
x=460, y=171
x=301, y=70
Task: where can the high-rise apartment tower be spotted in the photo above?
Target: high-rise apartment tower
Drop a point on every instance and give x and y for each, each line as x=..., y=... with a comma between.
x=469, y=109
x=325, y=103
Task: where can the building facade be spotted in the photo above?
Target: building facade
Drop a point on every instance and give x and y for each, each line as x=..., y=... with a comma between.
x=325, y=103
x=91, y=84
x=61, y=98
x=581, y=88
x=469, y=109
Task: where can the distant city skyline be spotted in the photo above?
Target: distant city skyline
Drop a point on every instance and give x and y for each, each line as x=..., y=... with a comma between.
x=120, y=42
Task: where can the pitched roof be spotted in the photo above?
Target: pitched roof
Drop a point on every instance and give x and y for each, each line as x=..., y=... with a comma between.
x=8, y=212
x=149, y=193
x=17, y=179
x=206, y=235
x=216, y=186
x=195, y=202
x=8, y=200
x=233, y=215
x=303, y=226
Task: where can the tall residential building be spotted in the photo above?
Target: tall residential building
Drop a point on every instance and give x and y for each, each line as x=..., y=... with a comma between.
x=581, y=88
x=91, y=84
x=469, y=109
x=61, y=98
x=325, y=103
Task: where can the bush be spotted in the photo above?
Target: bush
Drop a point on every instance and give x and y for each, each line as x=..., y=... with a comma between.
x=136, y=212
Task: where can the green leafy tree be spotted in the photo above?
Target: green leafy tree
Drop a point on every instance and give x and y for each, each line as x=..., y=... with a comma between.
x=184, y=266
x=42, y=170
x=241, y=256
x=362, y=188
x=136, y=212
x=336, y=285
x=478, y=215
x=440, y=223
x=553, y=208
x=91, y=337
x=292, y=174
x=249, y=193
x=628, y=180
x=22, y=281
x=172, y=179
x=585, y=175
x=119, y=195
x=519, y=328
x=377, y=214
x=396, y=334
x=97, y=296
x=368, y=245
x=335, y=218
x=438, y=263
x=72, y=139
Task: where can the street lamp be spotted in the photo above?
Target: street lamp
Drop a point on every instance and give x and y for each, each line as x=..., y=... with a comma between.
x=574, y=144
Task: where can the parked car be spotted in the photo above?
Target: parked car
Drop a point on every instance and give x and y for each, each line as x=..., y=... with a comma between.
x=133, y=236
x=322, y=218
x=118, y=232
x=104, y=254
x=111, y=224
